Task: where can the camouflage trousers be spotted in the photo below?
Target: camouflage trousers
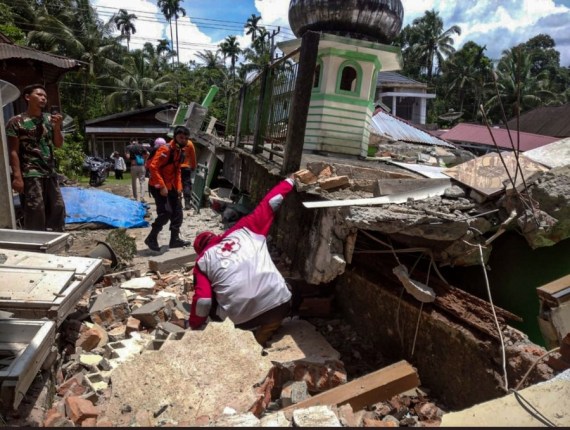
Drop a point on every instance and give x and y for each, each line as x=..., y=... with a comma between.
x=42, y=204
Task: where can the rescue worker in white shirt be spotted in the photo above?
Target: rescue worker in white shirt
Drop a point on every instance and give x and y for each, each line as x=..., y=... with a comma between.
x=234, y=275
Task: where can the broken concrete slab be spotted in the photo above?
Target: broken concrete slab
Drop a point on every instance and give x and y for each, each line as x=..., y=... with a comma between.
x=140, y=285
x=277, y=419
x=173, y=259
x=551, y=398
x=301, y=353
x=109, y=307
x=237, y=420
x=198, y=375
x=384, y=187
x=153, y=313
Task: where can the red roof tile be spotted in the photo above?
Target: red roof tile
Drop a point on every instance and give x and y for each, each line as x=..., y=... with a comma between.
x=479, y=134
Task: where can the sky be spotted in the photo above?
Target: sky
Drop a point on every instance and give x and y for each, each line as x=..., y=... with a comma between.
x=496, y=24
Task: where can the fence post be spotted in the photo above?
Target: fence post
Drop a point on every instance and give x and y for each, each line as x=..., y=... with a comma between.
x=237, y=141
x=259, y=124
x=300, y=103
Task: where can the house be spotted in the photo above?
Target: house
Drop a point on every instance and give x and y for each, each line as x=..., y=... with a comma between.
x=478, y=139
x=547, y=120
x=112, y=133
x=23, y=66
x=405, y=97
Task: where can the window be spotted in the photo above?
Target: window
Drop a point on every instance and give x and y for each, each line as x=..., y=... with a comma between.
x=317, y=77
x=348, y=79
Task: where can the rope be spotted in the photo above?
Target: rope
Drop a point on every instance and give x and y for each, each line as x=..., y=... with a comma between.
x=417, y=328
x=504, y=358
x=519, y=385
x=535, y=413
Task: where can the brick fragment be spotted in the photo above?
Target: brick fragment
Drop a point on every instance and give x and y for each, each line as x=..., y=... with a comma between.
x=333, y=182
x=78, y=409
x=305, y=176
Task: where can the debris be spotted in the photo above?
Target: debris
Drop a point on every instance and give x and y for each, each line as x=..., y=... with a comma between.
x=420, y=291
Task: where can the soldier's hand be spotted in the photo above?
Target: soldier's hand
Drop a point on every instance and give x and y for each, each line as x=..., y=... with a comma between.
x=18, y=185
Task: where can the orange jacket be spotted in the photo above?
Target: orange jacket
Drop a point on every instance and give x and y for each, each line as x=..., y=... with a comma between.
x=190, y=156
x=165, y=167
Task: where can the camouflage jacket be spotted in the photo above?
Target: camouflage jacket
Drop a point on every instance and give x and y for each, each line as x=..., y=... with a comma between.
x=36, y=144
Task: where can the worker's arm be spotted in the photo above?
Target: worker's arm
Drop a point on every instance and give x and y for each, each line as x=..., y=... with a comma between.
x=259, y=221
x=160, y=159
x=191, y=154
x=56, y=121
x=202, y=300
x=14, y=148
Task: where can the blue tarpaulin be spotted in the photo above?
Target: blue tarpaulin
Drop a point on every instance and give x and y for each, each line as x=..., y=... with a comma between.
x=91, y=205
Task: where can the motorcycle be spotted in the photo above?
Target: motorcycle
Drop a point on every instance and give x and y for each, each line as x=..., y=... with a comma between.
x=98, y=170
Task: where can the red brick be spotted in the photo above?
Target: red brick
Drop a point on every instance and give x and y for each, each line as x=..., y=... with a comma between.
x=79, y=409
x=88, y=340
x=72, y=385
x=89, y=422
x=133, y=324
x=333, y=182
x=53, y=418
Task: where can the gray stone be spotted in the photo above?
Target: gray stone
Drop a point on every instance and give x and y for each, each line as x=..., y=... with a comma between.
x=173, y=259
x=454, y=192
x=109, y=307
x=153, y=313
x=315, y=416
x=275, y=420
x=240, y=420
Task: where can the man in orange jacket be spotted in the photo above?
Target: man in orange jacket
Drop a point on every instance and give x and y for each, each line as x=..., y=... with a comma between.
x=165, y=185
x=186, y=168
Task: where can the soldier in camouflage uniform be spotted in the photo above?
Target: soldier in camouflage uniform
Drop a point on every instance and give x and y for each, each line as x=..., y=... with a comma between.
x=32, y=136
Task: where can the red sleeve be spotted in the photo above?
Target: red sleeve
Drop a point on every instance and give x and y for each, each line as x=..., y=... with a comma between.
x=259, y=221
x=202, y=300
x=156, y=163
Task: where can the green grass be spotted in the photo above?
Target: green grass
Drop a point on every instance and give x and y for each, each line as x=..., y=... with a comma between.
x=110, y=180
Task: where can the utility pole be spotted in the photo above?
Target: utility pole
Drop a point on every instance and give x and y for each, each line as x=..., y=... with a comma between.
x=272, y=37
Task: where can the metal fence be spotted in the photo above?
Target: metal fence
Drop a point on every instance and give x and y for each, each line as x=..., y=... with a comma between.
x=259, y=112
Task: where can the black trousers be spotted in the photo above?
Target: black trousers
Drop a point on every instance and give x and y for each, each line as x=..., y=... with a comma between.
x=168, y=208
x=42, y=204
x=186, y=173
x=118, y=174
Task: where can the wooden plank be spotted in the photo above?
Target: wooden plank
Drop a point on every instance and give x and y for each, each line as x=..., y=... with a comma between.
x=557, y=290
x=369, y=389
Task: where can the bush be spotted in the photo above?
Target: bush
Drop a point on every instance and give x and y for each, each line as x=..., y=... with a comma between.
x=70, y=157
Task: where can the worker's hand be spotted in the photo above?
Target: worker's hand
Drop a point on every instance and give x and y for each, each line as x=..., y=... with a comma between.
x=18, y=185
x=56, y=120
x=164, y=191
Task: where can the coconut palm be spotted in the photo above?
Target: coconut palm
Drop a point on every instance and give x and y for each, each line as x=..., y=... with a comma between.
x=252, y=26
x=230, y=49
x=518, y=89
x=125, y=24
x=210, y=59
x=172, y=9
x=431, y=43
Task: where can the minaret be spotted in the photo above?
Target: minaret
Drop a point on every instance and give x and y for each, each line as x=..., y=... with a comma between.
x=352, y=50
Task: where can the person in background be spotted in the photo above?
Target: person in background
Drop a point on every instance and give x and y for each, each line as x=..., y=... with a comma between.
x=120, y=165
x=187, y=166
x=234, y=275
x=32, y=136
x=166, y=188
x=137, y=155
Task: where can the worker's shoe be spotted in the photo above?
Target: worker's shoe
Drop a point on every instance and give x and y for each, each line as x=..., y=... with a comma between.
x=177, y=242
x=152, y=240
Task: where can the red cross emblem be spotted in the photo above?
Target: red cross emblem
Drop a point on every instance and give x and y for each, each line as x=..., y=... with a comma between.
x=228, y=247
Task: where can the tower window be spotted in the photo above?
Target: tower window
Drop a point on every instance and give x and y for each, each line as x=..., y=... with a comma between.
x=348, y=79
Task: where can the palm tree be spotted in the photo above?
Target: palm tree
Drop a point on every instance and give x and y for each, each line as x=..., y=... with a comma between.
x=171, y=9
x=252, y=26
x=210, y=59
x=230, y=48
x=125, y=24
x=468, y=69
x=136, y=85
x=518, y=89
x=431, y=41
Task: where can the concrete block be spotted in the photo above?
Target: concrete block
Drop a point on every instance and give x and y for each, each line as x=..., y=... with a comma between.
x=140, y=285
x=315, y=416
x=165, y=328
x=275, y=420
x=96, y=382
x=109, y=307
x=237, y=420
x=294, y=392
x=153, y=313
x=119, y=277
x=173, y=259
x=117, y=333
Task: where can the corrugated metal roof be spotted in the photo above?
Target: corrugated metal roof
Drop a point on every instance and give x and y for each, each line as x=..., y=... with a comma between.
x=131, y=113
x=8, y=51
x=474, y=133
x=127, y=130
x=545, y=120
x=384, y=124
x=398, y=79
x=423, y=169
